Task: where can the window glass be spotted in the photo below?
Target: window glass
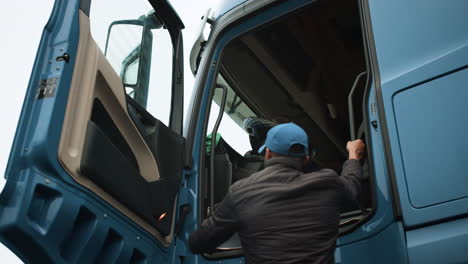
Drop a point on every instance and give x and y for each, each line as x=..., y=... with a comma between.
x=139, y=50
x=131, y=73
x=123, y=41
x=231, y=127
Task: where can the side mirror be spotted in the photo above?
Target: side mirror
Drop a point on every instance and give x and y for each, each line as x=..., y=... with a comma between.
x=129, y=48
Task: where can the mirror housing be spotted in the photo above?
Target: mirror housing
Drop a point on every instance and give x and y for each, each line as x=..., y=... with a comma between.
x=133, y=66
x=199, y=45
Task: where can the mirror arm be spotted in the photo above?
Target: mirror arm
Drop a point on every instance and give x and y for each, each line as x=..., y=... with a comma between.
x=177, y=100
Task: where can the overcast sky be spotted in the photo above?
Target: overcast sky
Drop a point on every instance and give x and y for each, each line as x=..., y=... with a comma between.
x=21, y=25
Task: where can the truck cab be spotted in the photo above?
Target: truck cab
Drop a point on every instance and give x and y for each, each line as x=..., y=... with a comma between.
x=105, y=167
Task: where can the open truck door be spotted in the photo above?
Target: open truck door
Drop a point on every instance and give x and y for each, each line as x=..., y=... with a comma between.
x=93, y=177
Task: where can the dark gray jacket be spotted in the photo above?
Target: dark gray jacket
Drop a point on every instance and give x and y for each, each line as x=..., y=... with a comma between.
x=282, y=214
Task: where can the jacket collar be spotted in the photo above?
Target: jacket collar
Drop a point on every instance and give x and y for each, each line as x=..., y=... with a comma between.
x=285, y=162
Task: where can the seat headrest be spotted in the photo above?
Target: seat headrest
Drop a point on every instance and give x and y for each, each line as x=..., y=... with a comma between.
x=257, y=128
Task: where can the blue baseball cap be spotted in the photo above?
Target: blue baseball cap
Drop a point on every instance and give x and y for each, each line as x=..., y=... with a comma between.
x=282, y=137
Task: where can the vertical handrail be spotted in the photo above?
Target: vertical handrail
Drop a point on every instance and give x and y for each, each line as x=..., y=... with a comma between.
x=350, y=106
x=213, y=142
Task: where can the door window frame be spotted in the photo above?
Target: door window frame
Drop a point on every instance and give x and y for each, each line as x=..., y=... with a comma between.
x=232, y=24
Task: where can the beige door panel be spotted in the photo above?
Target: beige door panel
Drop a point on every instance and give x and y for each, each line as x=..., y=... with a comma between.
x=94, y=78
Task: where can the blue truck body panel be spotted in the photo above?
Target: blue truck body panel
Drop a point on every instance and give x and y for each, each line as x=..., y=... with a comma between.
x=432, y=119
x=417, y=147
x=417, y=56
x=440, y=243
x=387, y=246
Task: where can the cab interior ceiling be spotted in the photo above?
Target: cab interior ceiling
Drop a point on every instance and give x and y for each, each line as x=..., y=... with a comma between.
x=301, y=68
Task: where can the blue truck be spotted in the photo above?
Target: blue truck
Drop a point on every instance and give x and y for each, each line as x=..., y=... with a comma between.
x=104, y=167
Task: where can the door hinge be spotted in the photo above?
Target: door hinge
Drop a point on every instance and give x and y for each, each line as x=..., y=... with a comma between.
x=184, y=211
x=181, y=248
